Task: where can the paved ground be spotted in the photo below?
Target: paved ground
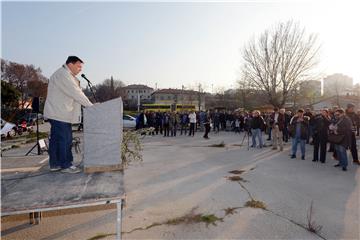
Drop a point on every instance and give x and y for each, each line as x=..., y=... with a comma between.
x=183, y=178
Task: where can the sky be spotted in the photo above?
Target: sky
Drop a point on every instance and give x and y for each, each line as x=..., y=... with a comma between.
x=170, y=44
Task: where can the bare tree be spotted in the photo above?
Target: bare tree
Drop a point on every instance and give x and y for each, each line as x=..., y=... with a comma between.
x=109, y=89
x=279, y=59
x=20, y=75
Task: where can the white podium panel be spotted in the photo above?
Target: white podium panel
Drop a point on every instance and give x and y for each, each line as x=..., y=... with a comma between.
x=103, y=129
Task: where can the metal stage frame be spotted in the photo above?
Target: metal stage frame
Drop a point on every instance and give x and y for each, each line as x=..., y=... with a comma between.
x=77, y=191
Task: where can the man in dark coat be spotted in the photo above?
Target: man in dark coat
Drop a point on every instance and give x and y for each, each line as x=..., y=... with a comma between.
x=350, y=113
x=342, y=128
x=320, y=135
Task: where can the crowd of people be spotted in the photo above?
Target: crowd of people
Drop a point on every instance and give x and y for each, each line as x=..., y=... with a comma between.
x=334, y=128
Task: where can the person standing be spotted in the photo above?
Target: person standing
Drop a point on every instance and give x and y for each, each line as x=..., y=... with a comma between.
x=207, y=125
x=184, y=119
x=342, y=127
x=350, y=113
x=192, y=120
x=166, y=124
x=62, y=108
x=309, y=114
x=257, y=124
x=320, y=135
x=298, y=130
x=277, y=124
x=216, y=121
x=287, y=122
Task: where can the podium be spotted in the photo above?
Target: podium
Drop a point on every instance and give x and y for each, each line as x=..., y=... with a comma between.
x=103, y=129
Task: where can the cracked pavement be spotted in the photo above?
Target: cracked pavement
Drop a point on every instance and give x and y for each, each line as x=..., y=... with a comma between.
x=175, y=178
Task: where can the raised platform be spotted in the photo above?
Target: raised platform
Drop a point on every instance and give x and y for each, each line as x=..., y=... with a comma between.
x=46, y=191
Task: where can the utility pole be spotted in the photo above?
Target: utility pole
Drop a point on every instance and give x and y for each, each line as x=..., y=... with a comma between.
x=182, y=97
x=199, y=94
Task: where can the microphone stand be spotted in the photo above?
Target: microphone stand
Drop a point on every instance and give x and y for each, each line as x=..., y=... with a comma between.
x=91, y=87
x=91, y=90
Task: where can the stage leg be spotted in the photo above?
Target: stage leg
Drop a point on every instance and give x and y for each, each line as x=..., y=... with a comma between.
x=118, y=220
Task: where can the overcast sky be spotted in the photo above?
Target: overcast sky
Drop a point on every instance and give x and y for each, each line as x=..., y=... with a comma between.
x=171, y=44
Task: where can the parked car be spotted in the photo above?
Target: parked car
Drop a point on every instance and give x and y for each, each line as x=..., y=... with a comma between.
x=7, y=129
x=129, y=121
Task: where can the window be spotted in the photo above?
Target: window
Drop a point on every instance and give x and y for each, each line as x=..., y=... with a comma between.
x=162, y=97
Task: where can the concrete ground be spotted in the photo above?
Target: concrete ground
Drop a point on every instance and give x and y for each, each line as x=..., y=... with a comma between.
x=181, y=191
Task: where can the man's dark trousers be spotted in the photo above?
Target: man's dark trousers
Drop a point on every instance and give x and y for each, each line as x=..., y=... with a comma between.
x=320, y=142
x=60, y=154
x=353, y=148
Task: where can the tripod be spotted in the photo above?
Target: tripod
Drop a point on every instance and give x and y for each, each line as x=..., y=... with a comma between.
x=37, y=138
x=246, y=134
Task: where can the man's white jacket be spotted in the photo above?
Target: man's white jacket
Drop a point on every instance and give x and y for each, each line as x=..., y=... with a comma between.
x=65, y=97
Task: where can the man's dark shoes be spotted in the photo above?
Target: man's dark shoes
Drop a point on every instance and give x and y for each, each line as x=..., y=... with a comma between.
x=303, y=158
x=293, y=156
x=314, y=160
x=337, y=165
x=344, y=169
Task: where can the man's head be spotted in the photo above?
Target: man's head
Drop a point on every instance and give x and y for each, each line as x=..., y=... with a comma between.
x=256, y=113
x=324, y=111
x=339, y=112
x=282, y=110
x=350, y=107
x=300, y=112
x=276, y=109
x=74, y=64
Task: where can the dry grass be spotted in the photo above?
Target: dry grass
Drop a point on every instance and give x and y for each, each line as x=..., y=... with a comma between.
x=255, y=204
x=235, y=179
x=230, y=211
x=312, y=226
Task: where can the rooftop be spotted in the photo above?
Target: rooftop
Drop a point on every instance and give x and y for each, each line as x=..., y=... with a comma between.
x=138, y=86
x=174, y=91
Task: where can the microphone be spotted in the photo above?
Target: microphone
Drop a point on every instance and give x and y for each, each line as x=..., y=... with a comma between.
x=84, y=77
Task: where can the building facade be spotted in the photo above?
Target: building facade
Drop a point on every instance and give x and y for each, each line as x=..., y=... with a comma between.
x=179, y=96
x=337, y=85
x=135, y=91
x=337, y=101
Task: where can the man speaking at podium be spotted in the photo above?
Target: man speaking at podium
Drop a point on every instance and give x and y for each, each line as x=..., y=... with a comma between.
x=62, y=108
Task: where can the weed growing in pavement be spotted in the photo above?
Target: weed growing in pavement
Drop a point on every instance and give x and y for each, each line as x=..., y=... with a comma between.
x=235, y=178
x=312, y=226
x=230, y=211
x=255, y=204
